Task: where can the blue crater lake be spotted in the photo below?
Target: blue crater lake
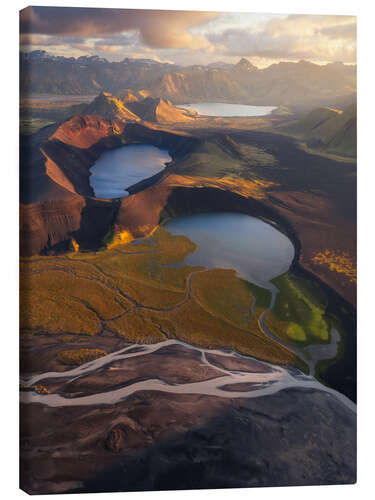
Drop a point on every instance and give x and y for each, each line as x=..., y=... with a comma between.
x=120, y=168
x=230, y=240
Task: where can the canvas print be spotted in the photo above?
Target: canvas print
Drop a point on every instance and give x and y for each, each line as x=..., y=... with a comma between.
x=187, y=250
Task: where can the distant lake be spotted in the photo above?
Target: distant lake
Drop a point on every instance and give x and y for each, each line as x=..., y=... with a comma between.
x=120, y=168
x=230, y=240
x=225, y=109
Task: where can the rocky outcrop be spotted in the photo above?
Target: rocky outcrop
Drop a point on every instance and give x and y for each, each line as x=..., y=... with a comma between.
x=116, y=439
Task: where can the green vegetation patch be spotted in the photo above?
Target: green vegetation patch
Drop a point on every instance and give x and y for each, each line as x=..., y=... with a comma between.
x=257, y=157
x=298, y=315
x=296, y=332
x=327, y=129
x=262, y=296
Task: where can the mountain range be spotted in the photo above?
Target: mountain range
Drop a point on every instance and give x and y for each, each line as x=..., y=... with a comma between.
x=300, y=85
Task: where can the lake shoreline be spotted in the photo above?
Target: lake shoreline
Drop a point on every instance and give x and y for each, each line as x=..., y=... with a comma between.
x=120, y=168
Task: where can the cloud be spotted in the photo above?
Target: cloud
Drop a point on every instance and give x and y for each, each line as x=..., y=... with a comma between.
x=159, y=29
x=189, y=37
x=43, y=40
x=108, y=49
x=341, y=32
x=319, y=38
x=305, y=25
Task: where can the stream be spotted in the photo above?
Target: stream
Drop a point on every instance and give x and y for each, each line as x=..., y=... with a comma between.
x=273, y=379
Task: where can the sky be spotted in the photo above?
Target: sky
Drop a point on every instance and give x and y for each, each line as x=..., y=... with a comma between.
x=188, y=37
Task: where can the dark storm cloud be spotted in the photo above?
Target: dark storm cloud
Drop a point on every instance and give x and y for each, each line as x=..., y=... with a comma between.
x=161, y=29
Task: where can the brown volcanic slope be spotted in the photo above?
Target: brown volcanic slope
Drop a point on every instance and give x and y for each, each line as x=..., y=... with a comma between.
x=311, y=198
x=160, y=111
x=110, y=107
x=54, y=179
x=132, y=95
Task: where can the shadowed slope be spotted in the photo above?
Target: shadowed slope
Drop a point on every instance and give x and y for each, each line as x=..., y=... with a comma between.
x=328, y=129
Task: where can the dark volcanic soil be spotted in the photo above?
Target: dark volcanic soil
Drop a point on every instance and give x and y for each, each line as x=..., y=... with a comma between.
x=155, y=441
x=158, y=440
x=168, y=367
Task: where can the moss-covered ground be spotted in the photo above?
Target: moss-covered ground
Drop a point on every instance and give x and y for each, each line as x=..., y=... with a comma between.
x=299, y=314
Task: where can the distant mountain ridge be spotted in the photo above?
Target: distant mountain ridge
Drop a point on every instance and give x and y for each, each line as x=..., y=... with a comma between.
x=43, y=73
x=301, y=84
x=245, y=65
